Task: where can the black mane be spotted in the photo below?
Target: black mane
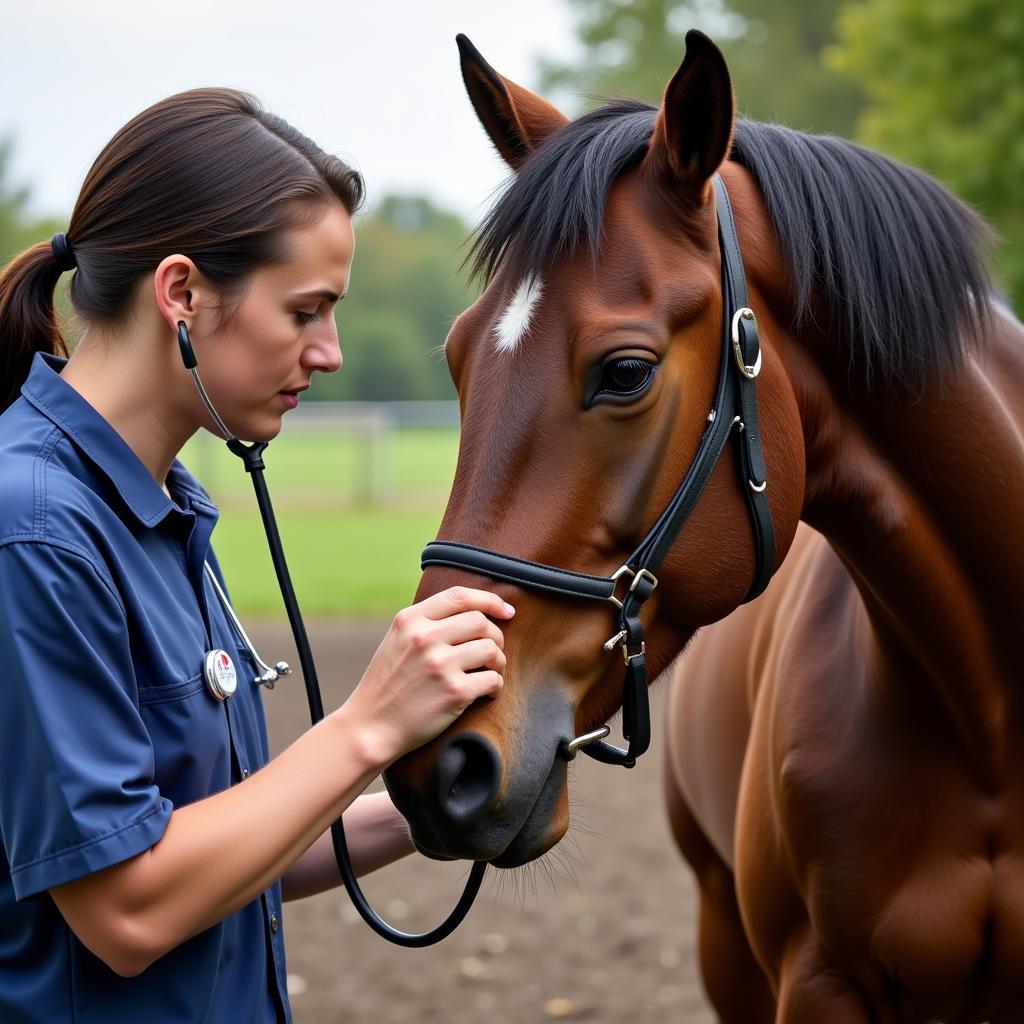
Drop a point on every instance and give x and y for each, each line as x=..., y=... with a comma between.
x=897, y=260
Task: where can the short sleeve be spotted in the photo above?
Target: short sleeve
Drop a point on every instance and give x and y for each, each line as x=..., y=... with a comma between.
x=76, y=760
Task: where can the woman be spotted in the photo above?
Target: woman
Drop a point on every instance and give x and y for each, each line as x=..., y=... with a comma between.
x=144, y=854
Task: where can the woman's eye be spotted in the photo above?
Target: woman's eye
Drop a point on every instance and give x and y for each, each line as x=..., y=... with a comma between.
x=306, y=318
x=625, y=377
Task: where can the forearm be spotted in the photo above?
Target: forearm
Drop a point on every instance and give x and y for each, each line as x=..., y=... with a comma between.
x=376, y=835
x=220, y=853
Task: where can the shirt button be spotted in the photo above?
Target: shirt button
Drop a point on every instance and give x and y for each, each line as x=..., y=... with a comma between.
x=274, y=923
x=245, y=773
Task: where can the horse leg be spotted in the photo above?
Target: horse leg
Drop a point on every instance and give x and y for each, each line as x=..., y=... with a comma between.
x=733, y=979
x=812, y=991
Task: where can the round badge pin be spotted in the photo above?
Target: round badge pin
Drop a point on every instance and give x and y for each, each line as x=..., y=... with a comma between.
x=221, y=677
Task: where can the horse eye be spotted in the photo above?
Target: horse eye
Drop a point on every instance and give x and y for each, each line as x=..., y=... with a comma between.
x=625, y=376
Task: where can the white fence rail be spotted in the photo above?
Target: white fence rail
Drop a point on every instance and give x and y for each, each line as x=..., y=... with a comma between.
x=357, y=441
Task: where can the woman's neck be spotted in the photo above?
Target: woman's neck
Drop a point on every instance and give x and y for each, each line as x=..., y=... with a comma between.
x=134, y=384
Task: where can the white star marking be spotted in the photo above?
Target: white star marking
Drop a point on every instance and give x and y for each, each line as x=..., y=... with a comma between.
x=515, y=321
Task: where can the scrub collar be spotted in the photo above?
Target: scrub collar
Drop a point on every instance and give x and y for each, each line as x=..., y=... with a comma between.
x=104, y=447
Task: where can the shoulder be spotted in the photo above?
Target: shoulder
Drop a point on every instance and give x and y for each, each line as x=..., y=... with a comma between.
x=38, y=575
x=48, y=492
x=26, y=442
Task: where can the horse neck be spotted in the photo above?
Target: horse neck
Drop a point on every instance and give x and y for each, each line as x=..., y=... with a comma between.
x=924, y=501
x=921, y=499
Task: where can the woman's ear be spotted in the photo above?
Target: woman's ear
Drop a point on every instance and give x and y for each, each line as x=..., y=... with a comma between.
x=693, y=131
x=516, y=119
x=177, y=285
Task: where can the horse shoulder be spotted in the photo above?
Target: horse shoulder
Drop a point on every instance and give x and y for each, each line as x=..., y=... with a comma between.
x=715, y=691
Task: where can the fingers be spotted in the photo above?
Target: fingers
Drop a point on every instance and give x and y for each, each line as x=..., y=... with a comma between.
x=483, y=684
x=466, y=626
x=478, y=654
x=464, y=599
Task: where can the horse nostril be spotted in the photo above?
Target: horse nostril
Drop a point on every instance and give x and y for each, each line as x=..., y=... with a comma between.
x=468, y=772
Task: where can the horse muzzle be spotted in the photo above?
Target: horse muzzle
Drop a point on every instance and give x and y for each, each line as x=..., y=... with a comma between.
x=468, y=796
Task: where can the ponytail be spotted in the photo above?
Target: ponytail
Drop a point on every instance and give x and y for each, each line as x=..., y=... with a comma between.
x=28, y=321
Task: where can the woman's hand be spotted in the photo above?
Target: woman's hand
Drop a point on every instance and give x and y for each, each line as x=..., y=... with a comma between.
x=438, y=657
x=217, y=854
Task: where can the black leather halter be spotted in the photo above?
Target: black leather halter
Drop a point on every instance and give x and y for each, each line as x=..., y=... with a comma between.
x=735, y=407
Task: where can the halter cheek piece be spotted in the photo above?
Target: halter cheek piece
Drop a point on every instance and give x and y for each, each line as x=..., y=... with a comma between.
x=735, y=406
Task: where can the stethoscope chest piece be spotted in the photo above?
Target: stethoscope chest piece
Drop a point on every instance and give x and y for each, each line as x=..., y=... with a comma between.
x=220, y=675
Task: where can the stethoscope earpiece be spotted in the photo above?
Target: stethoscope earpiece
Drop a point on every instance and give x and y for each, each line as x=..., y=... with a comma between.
x=188, y=356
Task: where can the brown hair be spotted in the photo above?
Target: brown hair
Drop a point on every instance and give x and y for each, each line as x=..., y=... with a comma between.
x=208, y=173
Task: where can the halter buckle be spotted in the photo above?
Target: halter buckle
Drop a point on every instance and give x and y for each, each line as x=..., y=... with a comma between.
x=619, y=640
x=627, y=657
x=745, y=313
x=638, y=576
x=635, y=575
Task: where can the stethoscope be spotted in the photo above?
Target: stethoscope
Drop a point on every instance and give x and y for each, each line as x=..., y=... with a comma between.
x=219, y=670
x=221, y=677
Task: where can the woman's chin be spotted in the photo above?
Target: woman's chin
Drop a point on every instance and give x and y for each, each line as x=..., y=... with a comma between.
x=264, y=428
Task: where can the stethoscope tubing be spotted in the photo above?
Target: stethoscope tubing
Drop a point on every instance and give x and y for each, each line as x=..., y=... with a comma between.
x=255, y=468
x=269, y=674
x=252, y=458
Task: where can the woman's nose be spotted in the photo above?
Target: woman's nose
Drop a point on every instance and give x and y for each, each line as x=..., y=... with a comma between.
x=325, y=353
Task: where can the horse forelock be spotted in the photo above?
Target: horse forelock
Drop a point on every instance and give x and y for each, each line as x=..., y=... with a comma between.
x=557, y=199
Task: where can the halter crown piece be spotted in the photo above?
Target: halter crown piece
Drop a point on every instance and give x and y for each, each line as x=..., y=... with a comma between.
x=62, y=252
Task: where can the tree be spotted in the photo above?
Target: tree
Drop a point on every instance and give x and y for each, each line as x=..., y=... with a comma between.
x=774, y=52
x=19, y=230
x=945, y=92
x=407, y=288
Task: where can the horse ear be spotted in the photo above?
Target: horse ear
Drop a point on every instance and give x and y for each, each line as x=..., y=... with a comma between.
x=516, y=119
x=694, y=127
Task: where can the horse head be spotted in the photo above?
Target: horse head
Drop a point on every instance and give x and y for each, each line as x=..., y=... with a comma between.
x=587, y=372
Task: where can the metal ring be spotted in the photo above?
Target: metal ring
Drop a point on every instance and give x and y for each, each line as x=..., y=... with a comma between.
x=571, y=748
x=622, y=569
x=745, y=313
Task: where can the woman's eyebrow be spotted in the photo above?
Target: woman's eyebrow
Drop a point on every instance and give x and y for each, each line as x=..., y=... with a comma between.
x=321, y=293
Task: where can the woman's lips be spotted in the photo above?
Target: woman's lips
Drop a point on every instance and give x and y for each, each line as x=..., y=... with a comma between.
x=291, y=398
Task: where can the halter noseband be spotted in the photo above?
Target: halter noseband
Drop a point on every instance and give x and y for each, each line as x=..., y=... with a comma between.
x=735, y=406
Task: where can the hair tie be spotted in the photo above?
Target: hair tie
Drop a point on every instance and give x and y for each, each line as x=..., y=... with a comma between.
x=62, y=252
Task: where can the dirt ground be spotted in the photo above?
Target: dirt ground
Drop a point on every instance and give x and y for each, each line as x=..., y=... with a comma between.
x=600, y=930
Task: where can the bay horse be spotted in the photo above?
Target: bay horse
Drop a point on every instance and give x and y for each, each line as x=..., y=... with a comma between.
x=844, y=765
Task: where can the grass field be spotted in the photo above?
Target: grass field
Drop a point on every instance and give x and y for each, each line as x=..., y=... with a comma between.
x=354, y=511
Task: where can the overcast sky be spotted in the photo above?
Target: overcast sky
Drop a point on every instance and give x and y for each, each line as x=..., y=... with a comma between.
x=376, y=82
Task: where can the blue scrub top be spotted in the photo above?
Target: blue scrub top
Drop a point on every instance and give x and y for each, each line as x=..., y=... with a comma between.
x=105, y=722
